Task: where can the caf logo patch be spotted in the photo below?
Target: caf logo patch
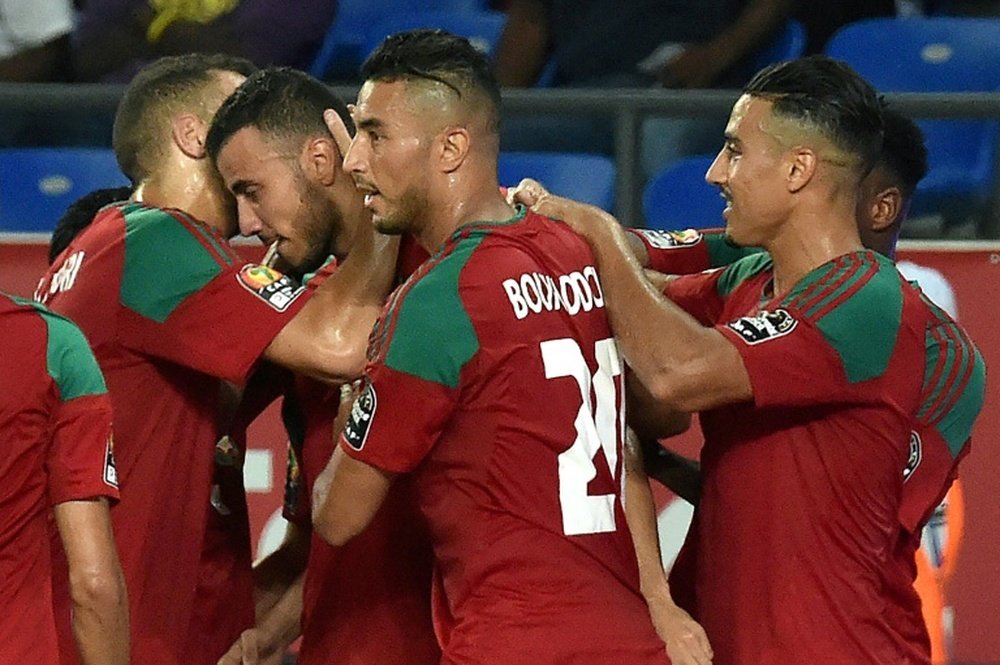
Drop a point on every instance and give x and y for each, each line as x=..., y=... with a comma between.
x=670, y=239
x=274, y=288
x=916, y=456
x=110, y=468
x=362, y=413
x=764, y=326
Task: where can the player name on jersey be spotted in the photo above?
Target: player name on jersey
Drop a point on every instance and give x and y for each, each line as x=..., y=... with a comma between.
x=533, y=293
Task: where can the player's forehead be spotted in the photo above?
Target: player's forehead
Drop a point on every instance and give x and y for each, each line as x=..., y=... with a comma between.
x=250, y=153
x=747, y=117
x=389, y=103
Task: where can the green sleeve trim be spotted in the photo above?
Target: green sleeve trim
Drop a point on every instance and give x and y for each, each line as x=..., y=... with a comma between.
x=742, y=270
x=164, y=263
x=722, y=252
x=71, y=363
x=956, y=425
x=877, y=305
x=433, y=336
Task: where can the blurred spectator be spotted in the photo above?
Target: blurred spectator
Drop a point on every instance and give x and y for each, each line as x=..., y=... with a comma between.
x=631, y=43
x=114, y=38
x=34, y=40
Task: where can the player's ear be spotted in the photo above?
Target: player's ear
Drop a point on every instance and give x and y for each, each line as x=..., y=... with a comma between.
x=321, y=160
x=801, y=167
x=188, y=132
x=885, y=208
x=453, y=148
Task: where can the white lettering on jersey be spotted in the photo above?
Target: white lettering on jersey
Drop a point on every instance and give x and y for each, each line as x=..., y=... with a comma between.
x=64, y=278
x=533, y=293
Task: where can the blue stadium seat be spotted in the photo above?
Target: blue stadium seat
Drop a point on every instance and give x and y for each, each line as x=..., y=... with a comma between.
x=342, y=50
x=580, y=176
x=679, y=198
x=38, y=184
x=788, y=44
x=481, y=28
x=937, y=54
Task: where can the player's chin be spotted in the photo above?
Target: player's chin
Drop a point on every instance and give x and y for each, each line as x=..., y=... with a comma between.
x=390, y=226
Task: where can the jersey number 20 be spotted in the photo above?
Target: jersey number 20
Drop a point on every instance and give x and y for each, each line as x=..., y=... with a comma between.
x=595, y=429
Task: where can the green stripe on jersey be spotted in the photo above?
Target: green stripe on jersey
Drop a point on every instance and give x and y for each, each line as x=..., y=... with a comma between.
x=743, y=270
x=433, y=336
x=956, y=424
x=864, y=327
x=164, y=263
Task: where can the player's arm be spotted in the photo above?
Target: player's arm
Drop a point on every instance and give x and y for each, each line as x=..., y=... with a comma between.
x=328, y=337
x=699, y=368
x=685, y=640
x=524, y=44
x=97, y=585
x=347, y=495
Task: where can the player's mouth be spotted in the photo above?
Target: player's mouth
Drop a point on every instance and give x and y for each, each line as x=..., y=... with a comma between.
x=727, y=197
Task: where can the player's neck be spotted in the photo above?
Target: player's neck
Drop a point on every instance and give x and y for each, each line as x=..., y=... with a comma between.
x=192, y=190
x=808, y=242
x=458, y=205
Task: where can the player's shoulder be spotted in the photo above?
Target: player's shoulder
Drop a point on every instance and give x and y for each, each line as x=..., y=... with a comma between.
x=176, y=235
x=742, y=270
x=856, y=301
x=70, y=361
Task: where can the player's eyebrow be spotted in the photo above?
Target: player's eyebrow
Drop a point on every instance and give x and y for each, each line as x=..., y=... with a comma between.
x=368, y=123
x=240, y=187
x=731, y=138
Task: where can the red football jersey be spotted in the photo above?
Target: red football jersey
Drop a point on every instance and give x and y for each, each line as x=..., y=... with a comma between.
x=494, y=379
x=55, y=434
x=170, y=310
x=380, y=582
x=794, y=552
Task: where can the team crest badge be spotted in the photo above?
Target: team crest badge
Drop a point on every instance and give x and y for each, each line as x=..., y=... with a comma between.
x=671, y=239
x=110, y=467
x=764, y=326
x=274, y=288
x=360, y=421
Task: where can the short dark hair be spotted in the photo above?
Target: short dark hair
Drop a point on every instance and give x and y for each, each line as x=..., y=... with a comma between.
x=828, y=95
x=153, y=93
x=279, y=101
x=80, y=214
x=435, y=55
x=904, y=151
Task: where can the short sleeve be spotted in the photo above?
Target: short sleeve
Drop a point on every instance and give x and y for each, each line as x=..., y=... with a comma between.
x=698, y=295
x=188, y=299
x=80, y=459
x=838, y=328
x=413, y=382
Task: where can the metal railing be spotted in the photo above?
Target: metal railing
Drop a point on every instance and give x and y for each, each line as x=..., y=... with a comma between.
x=627, y=108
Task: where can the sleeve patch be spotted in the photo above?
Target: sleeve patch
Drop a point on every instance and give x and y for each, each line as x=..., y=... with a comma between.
x=277, y=290
x=110, y=467
x=362, y=413
x=763, y=327
x=669, y=239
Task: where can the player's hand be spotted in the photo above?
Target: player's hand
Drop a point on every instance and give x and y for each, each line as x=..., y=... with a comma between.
x=583, y=218
x=686, y=641
x=336, y=125
x=246, y=651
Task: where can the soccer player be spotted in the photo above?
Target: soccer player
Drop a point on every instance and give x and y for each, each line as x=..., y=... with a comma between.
x=493, y=380
x=276, y=154
x=55, y=425
x=172, y=313
x=810, y=365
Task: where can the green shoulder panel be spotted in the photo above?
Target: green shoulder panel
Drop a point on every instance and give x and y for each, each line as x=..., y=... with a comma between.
x=742, y=270
x=433, y=336
x=954, y=380
x=165, y=261
x=722, y=252
x=71, y=363
x=861, y=291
